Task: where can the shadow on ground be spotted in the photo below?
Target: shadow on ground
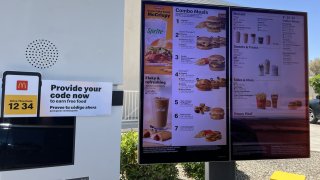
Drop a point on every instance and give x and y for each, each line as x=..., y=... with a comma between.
x=240, y=175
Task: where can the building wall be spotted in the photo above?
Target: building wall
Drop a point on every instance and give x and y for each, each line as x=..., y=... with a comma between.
x=89, y=36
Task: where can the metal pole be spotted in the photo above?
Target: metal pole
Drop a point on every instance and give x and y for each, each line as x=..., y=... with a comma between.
x=220, y=170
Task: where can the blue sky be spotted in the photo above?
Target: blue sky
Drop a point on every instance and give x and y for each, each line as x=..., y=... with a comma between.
x=312, y=7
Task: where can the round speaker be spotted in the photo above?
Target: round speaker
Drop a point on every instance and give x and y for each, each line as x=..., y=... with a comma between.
x=42, y=54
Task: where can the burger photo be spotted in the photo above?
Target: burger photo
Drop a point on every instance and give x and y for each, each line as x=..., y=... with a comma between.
x=204, y=43
x=160, y=51
x=213, y=24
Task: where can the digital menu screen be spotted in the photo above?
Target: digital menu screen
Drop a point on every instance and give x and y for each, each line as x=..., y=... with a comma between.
x=269, y=92
x=184, y=83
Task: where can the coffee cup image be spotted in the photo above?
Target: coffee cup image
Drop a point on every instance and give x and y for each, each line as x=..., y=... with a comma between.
x=245, y=38
x=253, y=38
x=160, y=107
x=238, y=34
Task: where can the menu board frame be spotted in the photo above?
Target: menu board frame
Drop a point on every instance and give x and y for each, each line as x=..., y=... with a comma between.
x=180, y=154
x=234, y=155
x=211, y=155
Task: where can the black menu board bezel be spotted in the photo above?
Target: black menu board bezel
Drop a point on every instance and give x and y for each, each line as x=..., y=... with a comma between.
x=171, y=154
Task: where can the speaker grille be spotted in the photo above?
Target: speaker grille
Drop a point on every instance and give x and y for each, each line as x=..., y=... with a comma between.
x=42, y=54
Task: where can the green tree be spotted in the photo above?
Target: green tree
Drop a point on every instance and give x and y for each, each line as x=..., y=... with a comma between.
x=315, y=83
x=314, y=67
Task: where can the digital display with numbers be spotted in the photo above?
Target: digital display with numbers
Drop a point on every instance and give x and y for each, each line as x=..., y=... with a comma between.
x=20, y=94
x=184, y=83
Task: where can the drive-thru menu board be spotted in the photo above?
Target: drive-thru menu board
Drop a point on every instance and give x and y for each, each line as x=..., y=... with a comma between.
x=269, y=84
x=184, y=83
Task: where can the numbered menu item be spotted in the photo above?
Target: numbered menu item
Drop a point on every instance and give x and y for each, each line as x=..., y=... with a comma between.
x=214, y=23
x=210, y=84
x=217, y=113
x=207, y=43
x=215, y=62
x=209, y=135
x=184, y=82
x=157, y=135
x=202, y=108
x=20, y=95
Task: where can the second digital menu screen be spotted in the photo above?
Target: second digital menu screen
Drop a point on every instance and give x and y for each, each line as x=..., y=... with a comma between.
x=269, y=117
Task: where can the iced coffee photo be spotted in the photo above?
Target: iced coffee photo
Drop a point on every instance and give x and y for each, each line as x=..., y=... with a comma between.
x=157, y=129
x=160, y=107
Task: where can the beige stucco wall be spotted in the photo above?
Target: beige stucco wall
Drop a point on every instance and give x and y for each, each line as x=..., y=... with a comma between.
x=131, y=44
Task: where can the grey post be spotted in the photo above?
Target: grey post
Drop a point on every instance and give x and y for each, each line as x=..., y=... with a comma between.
x=220, y=170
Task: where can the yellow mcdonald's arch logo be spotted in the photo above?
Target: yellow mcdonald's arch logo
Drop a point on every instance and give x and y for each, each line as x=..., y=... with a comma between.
x=22, y=85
